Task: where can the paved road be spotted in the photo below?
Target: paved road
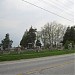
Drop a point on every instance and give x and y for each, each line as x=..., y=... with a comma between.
x=54, y=65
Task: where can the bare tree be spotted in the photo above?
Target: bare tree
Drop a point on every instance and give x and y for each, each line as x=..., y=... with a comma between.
x=52, y=33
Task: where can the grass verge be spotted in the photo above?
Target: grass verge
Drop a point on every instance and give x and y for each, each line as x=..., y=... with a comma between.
x=32, y=54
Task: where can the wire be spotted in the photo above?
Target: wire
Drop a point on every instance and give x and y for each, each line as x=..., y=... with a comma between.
x=48, y=3
x=60, y=3
x=46, y=10
x=72, y=2
x=57, y=3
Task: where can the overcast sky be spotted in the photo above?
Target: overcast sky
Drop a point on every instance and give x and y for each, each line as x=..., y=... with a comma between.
x=16, y=16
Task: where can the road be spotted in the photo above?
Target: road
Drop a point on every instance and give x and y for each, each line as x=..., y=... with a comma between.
x=53, y=65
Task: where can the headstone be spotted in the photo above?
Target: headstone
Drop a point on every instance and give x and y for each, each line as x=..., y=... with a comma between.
x=70, y=46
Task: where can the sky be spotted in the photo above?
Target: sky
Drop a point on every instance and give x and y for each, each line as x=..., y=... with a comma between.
x=16, y=16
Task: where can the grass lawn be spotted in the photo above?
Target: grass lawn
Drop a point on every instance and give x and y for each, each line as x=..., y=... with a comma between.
x=33, y=54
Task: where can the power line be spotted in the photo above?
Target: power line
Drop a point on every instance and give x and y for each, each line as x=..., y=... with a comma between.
x=72, y=2
x=46, y=10
x=58, y=3
x=48, y=3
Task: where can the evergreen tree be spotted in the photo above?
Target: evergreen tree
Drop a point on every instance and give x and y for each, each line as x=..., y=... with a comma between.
x=69, y=36
x=28, y=38
x=31, y=35
x=6, y=43
x=72, y=34
x=23, y=42
x=66, y=36
x=38, y=43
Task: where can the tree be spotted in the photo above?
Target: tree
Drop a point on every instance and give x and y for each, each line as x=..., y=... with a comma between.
x=69, y=36
x=24, y=42
x=7, y=43
x=66, y=36
x=29, y=38
x=72, y=34
x=38, y=43
x=52, y=33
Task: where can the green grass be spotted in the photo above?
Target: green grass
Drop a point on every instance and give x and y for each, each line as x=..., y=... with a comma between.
x=33, y=54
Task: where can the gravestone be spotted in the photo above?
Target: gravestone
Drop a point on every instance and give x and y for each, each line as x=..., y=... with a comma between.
x=70, y=46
